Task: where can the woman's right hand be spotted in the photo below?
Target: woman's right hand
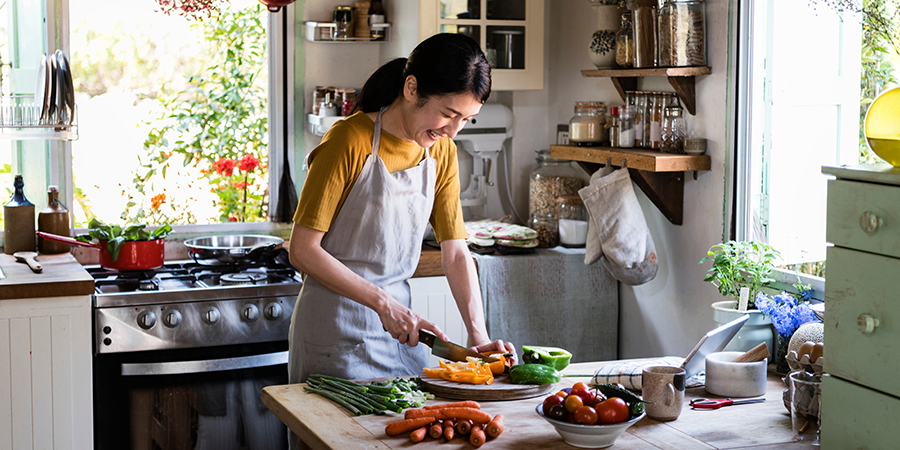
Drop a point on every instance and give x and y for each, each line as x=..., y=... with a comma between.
x=404, y=324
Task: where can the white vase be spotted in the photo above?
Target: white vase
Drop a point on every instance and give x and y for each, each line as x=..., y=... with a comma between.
x=603, y=42
x=758, y=329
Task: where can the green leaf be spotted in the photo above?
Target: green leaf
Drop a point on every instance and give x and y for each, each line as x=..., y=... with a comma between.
x=161, y=232
x=114, y=245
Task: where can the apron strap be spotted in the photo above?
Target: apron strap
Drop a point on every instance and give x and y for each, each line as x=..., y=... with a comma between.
x=376, y=138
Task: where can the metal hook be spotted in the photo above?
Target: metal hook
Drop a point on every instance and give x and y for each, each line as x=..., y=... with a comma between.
x=608, y=161
x=623, y=163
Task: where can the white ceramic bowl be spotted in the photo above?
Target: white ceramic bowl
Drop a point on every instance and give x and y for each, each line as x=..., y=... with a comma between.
x=588, y=436
x=731, y=379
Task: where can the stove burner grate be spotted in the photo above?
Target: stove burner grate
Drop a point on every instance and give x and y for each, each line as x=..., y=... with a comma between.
x=243, y=278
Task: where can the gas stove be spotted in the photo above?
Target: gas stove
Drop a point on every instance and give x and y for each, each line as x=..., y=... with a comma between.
x=187, y=305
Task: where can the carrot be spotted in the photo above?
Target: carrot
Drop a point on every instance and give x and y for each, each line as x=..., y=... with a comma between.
x=402, y=426
x=438, y=414
x=477, y=436
x=418, y=435
x=464, y=426
x=465, y=404
x=449, y=429
x=494, y=428
x=436, y=430
x=475, y=415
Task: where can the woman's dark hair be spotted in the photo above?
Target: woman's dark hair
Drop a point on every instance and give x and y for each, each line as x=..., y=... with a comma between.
x=443, y=64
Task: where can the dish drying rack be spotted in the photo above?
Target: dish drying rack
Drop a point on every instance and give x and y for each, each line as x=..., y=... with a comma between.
x=20, y=119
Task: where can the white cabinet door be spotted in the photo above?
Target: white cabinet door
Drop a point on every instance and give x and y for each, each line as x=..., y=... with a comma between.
x=432, y=299
x=45, y=374
x=511, y=32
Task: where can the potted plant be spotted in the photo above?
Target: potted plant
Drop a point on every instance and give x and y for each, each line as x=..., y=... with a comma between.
x=735, y=265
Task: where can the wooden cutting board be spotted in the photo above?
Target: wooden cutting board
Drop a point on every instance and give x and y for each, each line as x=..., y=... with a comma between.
x=501, y=389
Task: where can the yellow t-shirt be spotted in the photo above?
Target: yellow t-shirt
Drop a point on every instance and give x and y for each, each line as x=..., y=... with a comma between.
x=335, y=164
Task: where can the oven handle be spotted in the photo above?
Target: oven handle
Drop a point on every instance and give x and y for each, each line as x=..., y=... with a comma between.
x=209, y=365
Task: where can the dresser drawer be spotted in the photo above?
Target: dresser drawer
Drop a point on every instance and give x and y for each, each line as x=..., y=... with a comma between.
x=861, y=285
x=855, y=417
x=864, y=216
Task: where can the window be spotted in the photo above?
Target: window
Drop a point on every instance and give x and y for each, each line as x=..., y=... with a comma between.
x=175, y=116
x=800, y=105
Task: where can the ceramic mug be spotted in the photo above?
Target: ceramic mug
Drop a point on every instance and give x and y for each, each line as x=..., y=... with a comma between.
x=664, y=387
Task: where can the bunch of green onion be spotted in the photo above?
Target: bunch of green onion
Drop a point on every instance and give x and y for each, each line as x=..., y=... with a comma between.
x=375, y=397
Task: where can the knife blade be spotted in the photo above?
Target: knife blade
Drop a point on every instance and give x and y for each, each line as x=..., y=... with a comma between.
x=449, y=350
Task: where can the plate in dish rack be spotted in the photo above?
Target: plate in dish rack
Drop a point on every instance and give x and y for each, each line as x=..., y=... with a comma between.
x=501, y=389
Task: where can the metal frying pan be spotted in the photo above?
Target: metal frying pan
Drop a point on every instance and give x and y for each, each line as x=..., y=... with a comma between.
x=231, y=249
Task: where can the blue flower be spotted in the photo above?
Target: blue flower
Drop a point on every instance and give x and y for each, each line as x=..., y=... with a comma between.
x=784, y=311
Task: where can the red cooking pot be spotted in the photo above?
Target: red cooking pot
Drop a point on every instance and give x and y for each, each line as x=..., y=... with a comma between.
x=133, y=255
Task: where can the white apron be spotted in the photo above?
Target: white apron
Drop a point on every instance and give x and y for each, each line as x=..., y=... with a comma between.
x=378, y=235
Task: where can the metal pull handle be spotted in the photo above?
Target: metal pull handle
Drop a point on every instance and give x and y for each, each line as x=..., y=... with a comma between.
x=867, y=324
x=869, y=222
x=209, y=365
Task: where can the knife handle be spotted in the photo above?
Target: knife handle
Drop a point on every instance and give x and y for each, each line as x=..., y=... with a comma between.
x=426, y=338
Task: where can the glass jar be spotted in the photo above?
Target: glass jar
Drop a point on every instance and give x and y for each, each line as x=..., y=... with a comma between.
x=573, y=221
x=656, y=112
x=664, y=35
x=645, y=33
x=614, y=127
x=673, y=130
x=585, y=126
x=551, y=178
x=318, y=98
x=626, y=127
x=625, y=42
x=343, y=21
x=347, y=101
x=688, y=33
x=547, y=228
x=640, y=119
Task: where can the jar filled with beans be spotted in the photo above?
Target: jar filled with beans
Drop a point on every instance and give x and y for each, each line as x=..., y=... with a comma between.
x=551, y=178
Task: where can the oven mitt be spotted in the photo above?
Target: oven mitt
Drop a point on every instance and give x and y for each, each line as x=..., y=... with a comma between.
x=625, y=244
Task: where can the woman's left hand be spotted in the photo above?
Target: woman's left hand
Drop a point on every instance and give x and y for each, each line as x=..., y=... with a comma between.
x=497, y=346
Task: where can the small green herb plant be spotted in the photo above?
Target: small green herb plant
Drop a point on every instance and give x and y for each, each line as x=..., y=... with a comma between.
x=737, y=264
x=115, y=235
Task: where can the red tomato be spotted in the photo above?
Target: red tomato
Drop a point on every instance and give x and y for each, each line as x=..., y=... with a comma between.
x=573, y=402
x=613, y=410
x=587, y=397
x=558, y=412
x=550, y=402
x=586, y=416
x=579, y=386
x=561, y=394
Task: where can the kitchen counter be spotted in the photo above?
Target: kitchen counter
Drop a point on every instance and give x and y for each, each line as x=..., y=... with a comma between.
x=62, y=276
x=324, y=425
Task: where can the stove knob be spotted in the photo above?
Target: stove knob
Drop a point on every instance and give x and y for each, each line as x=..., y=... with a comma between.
x=210, y=315
x=172, y=319
x=249, y=313
x=146, y=320
x=273, y=311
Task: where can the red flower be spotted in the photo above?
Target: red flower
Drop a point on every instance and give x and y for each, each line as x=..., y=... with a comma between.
x=239, y=184
x=157, y=200
x=248, y=163
x=232, y=219
x=226, y=166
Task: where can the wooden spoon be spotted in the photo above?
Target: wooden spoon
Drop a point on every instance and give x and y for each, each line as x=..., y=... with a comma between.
x=29, y=258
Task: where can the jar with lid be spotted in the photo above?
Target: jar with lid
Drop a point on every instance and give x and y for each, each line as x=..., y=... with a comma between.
x=625, y=42
x=318, y=98
x=573, y=221
x=626, y=127
x=585, y=126
x=547, y=228
x=664, y=35
x=343, y=21
x=673, y=130
x=348, y=99
x=644, y=17
x=686, y=19
x=656, y=112
x=551, y=178
x=614, y=127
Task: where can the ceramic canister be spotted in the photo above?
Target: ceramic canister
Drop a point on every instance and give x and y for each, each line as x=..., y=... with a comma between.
x=731, y=379
x=18, y=221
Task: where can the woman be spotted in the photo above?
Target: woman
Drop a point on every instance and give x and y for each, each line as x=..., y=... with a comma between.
x=373, y=183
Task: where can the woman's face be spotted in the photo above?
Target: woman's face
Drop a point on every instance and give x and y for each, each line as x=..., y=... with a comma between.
x=441, y=116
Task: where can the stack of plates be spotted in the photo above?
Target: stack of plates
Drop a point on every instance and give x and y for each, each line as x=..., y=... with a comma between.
x=54, y=93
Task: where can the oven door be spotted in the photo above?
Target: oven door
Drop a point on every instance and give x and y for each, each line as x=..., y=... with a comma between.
x=207, y=398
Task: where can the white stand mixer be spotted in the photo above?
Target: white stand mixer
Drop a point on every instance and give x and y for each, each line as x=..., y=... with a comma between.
x=481, y=142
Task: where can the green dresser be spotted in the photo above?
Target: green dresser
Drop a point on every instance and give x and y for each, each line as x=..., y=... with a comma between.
x=861, y=391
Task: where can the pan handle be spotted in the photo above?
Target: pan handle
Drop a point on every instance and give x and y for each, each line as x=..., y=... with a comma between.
x=67, y=240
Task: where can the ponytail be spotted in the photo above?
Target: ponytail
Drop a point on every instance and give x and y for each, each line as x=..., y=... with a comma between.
x=382, y=87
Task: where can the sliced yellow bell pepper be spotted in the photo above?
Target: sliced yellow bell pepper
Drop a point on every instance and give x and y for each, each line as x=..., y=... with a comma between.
x=473, y=371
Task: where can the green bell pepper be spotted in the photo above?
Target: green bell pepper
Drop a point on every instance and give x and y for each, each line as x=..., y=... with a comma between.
x=533, y=374
x=556, y=358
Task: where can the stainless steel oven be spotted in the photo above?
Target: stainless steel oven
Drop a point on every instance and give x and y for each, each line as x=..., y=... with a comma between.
x=182, y=353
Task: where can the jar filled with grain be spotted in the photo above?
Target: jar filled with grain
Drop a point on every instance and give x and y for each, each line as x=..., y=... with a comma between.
x=688, y=41
x=644, y=17
x=673, y=130
x=547, y=228
x=625, y=42
x=588, y=126
x=551, y=178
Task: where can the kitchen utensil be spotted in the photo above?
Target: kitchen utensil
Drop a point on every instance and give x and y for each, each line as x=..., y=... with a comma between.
x=29, y=258
x=500, y=389
x=588, y=436
x=133, y=255
x=67, y=99
x=449, y=350
x=61, y=89
x=51, y=96
x=41, y=88
x=708, y=403
x=230, y=249
x=758, y=353
x=727, y=378
x=663, y=389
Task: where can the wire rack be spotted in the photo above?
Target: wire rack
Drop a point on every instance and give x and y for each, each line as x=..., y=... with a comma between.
x=22, y=119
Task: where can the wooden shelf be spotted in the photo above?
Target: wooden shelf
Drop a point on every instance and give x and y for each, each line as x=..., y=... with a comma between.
x=681, y=79
x=659, y=175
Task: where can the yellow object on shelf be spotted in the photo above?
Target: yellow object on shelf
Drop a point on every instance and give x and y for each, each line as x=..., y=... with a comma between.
x=882, y=126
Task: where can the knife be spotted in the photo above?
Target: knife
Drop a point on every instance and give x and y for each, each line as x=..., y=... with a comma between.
x=449, y=350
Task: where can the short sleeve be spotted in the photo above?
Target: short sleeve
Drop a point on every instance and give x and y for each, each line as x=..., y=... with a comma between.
x=447, y=217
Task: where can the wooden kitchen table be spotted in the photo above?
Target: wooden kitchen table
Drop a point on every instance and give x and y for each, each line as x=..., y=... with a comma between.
x=760, y=426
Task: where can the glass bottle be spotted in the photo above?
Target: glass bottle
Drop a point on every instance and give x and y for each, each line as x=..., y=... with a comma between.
x=376, y=16
x=640, y=119
x=614, y=127
x=573, y=221
x=18, y=221
x=673, y=130
x=688, y=33
x=626, y=127
x=645, y=33
x=656, y=120
x=54, y=219
x=584, y=126
x=328, y=108
x=625, y=42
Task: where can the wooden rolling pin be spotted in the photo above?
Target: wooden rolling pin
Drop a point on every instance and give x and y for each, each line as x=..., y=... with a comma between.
x=755, y=354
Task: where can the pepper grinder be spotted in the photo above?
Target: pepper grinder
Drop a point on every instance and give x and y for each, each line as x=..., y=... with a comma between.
x=18, y=221
x=54, y=219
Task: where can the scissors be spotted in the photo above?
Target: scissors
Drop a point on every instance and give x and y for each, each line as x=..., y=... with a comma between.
x=706, y=403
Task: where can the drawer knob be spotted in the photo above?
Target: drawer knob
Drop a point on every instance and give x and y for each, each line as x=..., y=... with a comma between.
x=866, y=323
x=869, y=222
